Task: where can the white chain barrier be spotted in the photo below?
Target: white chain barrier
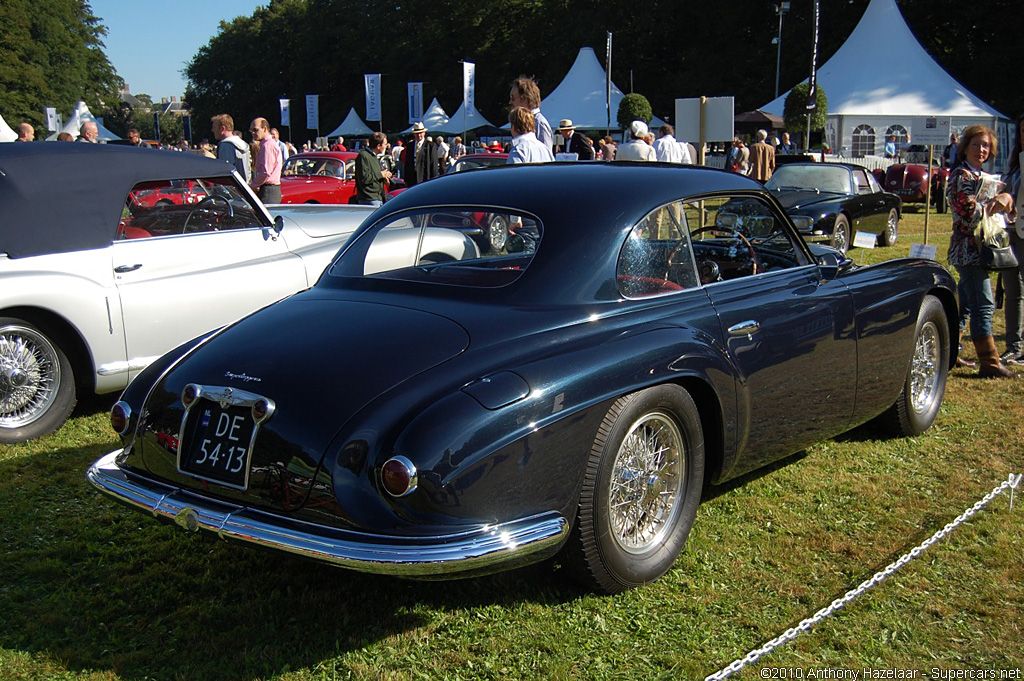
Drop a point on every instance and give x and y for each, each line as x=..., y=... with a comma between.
x=806, y=625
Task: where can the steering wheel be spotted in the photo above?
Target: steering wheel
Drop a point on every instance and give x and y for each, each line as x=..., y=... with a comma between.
x=755, y=261
x=206, y=205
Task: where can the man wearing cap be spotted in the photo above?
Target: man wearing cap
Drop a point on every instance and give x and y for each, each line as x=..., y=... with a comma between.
x=574, y=142
x=636, y=149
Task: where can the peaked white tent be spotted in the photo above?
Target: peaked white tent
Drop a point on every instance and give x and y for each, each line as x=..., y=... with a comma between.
x=434, y=118
x=582, y=97
x=881, y=80
x=6, y=133
x=457, y=124
x=352, y=126
x=81, y=115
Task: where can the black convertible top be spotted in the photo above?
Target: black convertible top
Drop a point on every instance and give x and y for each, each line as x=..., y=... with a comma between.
x=57, y=197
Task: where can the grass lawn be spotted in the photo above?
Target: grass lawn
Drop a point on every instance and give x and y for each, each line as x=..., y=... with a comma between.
x=91, y=590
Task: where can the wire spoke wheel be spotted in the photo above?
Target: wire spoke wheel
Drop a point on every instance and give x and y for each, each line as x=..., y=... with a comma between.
x=30, y=375
x=646, y=482
x=640, y=492
x=924, y=368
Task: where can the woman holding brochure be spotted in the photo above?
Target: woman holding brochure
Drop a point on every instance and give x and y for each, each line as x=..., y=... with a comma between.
x=972, y=194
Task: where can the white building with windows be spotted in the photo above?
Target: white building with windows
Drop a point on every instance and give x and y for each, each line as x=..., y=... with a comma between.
x=881, y=80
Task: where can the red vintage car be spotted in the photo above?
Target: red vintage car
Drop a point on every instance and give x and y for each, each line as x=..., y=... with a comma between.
x=177, y=192
x=908, y=181
x=319, y=177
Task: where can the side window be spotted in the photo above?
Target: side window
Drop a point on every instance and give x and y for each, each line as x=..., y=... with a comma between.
x=185, y=206
x=739, y=237
x=656, y=257
x=861, y=178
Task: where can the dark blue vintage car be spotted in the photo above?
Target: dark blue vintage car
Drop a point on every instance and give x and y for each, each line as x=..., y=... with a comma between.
x=570, y=393
x=832, y=201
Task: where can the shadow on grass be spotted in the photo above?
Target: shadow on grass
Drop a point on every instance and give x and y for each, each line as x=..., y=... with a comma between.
x=714, y=491
x=97, y=586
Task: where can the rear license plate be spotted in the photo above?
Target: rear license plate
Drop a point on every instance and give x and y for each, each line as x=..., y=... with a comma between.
x=217, y=436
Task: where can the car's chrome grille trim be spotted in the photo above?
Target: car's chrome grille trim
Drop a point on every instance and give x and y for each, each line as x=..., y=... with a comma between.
x=474, y=550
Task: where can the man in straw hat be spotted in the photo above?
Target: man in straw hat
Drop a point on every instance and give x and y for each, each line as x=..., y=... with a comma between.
x=420, y=157
x=574, y=142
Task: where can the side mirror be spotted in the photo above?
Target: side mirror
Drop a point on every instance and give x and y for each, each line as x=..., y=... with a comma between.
x=830, y=261
x=270, y=233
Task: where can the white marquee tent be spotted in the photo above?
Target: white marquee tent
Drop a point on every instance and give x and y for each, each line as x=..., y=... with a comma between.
x=351, y=127
x=582, y=97
x=881, y=81
x=434, y=118
x=81, y=115
x=6, y=133
x=457, y=124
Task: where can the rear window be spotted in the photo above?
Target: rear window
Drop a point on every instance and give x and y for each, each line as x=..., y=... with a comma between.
x=457, y=246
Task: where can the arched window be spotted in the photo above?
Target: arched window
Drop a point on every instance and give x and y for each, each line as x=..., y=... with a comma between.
x=863, y=140
x=901, y=133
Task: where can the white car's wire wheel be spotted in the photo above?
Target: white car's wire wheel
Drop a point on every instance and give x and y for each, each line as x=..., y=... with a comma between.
x=640, y=491
x=497, y=232
x=37, y=390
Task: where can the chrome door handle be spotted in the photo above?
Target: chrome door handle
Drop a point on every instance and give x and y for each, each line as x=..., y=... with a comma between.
x=746, y=328
x=121, y=269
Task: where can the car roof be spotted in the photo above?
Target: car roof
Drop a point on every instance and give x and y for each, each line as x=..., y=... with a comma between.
x=586, y=209
x=58, y=197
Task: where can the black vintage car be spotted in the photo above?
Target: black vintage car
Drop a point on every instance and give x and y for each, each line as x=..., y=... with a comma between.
x=832, y=201
x=570, y=393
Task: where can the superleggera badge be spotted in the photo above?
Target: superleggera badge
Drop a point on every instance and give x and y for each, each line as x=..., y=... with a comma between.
x=242, y=377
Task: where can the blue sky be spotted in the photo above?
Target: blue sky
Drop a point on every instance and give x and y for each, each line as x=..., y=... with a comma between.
x=149, y=42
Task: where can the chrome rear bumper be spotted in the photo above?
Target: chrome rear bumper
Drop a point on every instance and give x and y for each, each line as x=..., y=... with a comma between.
x=471, y=551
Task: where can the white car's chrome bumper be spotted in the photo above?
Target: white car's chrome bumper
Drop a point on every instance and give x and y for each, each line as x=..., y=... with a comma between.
x=475, y=550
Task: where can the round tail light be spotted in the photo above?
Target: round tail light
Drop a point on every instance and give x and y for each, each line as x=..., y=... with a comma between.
x=189, y=394
x=120, y=417
x=399, y=476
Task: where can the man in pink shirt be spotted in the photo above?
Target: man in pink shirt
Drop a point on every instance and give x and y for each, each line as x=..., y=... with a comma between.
x=266, y=176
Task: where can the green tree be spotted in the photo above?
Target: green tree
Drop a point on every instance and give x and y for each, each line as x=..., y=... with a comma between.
x=53, y=56
x=634, y=107
x=795, y=111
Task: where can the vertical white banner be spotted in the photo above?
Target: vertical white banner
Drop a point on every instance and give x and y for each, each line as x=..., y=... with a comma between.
x=468, y=85
x=415, y=102
x=51, y=119
x=313, y=112
x=286, y=112
x=372, y=96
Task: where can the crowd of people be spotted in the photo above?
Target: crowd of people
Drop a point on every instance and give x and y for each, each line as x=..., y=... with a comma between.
x=970, y=192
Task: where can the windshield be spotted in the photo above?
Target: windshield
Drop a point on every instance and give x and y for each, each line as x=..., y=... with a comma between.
x=305, y=166
x=478, y=247
x=811, y=177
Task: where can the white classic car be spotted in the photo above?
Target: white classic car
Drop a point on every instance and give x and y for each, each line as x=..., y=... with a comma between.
x=111, y=256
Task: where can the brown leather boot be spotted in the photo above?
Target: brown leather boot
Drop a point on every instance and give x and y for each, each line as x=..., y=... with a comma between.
x=960, y=361
x=988, y=357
